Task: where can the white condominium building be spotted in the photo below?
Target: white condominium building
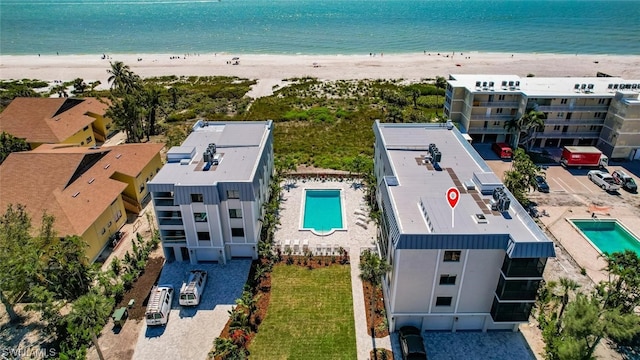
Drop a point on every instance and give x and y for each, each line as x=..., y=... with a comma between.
x=600, y=111
x=474, y=267
x=209, y=196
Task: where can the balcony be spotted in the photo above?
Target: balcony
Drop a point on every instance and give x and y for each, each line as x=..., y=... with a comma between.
x=170, y=221
x=495, y=117
x=567, y=108
x=569, y=134
x=574, y=122
x=496, y=104
x=487, y=130
x=163, y=202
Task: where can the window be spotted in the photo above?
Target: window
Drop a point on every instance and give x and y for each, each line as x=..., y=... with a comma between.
x=233, y=194
x=593, y=127
x=563, y=101
x=89, y=139
x=443, y=301
x=203, y=235
x=118, y=215
x=235, y=213
x=237, y=232
x=110, y=223
x=556, y=128
x=81, y=143
x=499, y=111
x=602, y=101
x=197, y=198
x=496, y=123
x=452, y=256
x=200, y=217
x=141, y=187
x=501, y=97
x=560, y=115
x=85, y=128
x=104, y=230
x=447, y=279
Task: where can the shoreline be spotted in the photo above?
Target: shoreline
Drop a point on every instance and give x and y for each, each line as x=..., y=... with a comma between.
x=274, y=68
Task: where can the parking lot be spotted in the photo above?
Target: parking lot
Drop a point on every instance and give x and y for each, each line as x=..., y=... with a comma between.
x=190, y=331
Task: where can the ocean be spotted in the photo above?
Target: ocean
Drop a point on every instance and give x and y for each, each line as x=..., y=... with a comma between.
x=319, y=26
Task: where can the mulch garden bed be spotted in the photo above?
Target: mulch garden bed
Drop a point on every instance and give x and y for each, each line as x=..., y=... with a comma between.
x=377, y=320
x=141, y=288
x=388, y=355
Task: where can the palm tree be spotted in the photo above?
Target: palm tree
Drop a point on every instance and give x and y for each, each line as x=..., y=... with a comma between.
x=393, y=115
x=174, y=97
x=152, y=101
x=89, y=313
x=126, y=115
x=566, y=286
x=122, y=79
x=530, y=120
x=372, y=269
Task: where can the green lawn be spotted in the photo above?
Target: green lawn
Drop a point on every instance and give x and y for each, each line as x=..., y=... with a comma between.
x=310, y=315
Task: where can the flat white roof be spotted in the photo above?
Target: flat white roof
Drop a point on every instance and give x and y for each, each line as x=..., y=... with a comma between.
x=239, y=143
x=542, y=86
x=423, y=188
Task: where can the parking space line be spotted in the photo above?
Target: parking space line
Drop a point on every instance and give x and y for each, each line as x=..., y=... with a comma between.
x=585, y=186
x=558, y=182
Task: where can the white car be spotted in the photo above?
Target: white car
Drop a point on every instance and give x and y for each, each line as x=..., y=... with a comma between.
x=603, y=180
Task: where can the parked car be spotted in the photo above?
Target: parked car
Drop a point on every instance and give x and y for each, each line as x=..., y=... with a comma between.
x=603, y=180
x=626, y=181
x=411, y=344
x=541, y=184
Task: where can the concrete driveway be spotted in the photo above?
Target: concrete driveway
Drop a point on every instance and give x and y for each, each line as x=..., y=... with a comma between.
x=190, y=331
x=471, y=345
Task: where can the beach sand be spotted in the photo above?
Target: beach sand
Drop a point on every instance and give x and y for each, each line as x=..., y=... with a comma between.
x=271, y=69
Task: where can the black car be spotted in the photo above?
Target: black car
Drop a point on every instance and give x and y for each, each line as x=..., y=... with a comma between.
x=411, y=344
x=541, y=184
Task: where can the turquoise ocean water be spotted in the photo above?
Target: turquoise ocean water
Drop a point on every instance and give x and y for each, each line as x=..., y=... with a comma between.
x=318, y=26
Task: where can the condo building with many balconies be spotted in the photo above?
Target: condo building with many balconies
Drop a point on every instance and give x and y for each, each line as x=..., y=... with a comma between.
x=599, y=111
x=474, y=267
x=209, y=196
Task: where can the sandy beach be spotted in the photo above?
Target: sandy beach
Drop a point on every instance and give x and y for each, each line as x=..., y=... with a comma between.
x=271, y=69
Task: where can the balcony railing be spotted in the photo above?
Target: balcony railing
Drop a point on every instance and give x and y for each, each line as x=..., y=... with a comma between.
x=496, y=104
x=170, y=221
x=163, y=202
x=492, y=117
x=488, y=130
x=564, y=135
x=574, y=122
x=567, y=108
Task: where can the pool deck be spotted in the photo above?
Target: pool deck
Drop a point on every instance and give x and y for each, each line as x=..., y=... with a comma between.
x=580, y=249
x=354, y=239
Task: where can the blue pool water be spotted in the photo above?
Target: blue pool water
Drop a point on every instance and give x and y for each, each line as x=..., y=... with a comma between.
x=608, y=235
x=322, y=210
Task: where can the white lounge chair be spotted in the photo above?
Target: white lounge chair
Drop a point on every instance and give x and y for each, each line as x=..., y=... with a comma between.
x=296, y=246
x=305, y=245
x=287, y=245
x=361, y=223
x=359, y=212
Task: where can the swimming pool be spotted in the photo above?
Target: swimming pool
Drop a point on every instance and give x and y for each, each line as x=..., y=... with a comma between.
x=322, y=211
x=607, y=235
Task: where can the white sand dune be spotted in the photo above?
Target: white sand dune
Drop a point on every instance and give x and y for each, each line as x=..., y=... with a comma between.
x=271, y=69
